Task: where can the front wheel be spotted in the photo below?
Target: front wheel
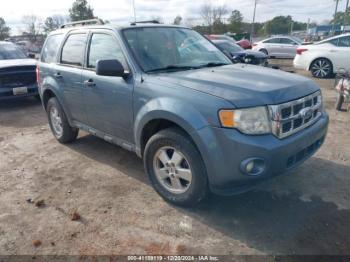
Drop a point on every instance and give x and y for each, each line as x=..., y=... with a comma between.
x=321, y=68
x=175, y=168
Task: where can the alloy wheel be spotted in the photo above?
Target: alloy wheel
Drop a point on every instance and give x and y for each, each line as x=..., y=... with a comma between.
x=56, y=121
x=172, y=170
x=321, y=68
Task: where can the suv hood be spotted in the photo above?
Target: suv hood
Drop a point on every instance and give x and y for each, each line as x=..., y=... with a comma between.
x=17, y=62
x=244, y=85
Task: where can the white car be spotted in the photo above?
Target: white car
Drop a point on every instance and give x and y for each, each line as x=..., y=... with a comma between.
x=278, y=47
x=324, y=58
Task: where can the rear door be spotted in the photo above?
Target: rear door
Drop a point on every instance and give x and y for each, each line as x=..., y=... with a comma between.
x=68, y=74
x=108, y=99
x=273, y=46
x=289, y=48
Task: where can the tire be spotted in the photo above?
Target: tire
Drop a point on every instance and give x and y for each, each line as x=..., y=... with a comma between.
x=164, y=145
x=264, y=51
x=321, y=68
x=66, y=133
x=339, y=103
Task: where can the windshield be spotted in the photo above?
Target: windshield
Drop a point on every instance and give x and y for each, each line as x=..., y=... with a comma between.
x=10, y=51
x=168, y=48
x=231, y=48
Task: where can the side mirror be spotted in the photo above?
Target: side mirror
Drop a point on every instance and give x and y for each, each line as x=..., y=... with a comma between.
x=31, y=55
x=111, y=67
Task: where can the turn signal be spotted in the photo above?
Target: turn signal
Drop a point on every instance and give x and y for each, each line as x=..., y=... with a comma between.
x=227, y=118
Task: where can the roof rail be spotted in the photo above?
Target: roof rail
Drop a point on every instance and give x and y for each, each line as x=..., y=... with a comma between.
x=146, y=22
x=95, y=21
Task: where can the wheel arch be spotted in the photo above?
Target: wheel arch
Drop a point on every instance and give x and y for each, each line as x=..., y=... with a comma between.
x=160, y=114
x=322, y=57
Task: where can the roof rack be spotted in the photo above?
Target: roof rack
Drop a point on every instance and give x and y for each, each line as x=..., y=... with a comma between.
x=146, y=22
x=95, y=21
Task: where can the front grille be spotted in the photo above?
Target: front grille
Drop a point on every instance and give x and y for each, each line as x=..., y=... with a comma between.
x=291, y=117
x=17, y=79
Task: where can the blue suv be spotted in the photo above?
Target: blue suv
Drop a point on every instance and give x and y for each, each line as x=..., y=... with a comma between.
x=200, y=123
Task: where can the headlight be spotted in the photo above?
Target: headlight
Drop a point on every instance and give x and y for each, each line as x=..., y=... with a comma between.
x=251, y=121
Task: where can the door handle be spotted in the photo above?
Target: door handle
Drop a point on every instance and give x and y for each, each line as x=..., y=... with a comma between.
x=89, y=83
x=333, y=51
x=58, y=75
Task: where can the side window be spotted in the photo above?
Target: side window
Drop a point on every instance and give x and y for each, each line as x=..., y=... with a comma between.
x=51, y=48
x=73, y=50
x=287, y=41
x=333, y=41
x=273, y=41
x=344, y=41
x=104, y=46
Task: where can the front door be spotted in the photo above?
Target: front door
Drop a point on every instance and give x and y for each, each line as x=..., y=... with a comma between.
x=108, y=99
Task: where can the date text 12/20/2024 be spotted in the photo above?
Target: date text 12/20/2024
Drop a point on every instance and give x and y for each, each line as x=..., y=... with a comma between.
x=173, y=258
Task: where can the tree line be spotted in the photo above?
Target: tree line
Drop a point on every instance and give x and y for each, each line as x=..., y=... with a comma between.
x=215, y=20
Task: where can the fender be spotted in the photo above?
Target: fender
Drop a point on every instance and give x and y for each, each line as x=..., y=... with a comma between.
x=171, y=109
x=50, y=84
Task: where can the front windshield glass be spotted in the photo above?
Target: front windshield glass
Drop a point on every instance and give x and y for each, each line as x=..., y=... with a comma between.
x=231, y=48
x=10, y=51
x=157, y=48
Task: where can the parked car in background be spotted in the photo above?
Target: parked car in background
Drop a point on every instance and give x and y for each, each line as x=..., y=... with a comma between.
x=325, y=58
x=244, y=43
x=17, y=73
x=278, y=47
x=220, y=37
x=238, y=55
x=199, y=122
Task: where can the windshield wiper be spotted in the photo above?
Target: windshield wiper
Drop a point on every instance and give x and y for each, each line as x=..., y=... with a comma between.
x=171, y=67
x=213, y=64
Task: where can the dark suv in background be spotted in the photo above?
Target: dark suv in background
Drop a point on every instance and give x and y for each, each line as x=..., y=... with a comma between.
x=17, y=73
x=199, y=122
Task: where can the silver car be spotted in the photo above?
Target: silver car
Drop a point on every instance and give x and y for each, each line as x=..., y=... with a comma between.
x=279, y=46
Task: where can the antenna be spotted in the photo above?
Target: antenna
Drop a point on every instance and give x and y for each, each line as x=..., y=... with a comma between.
x=133, y=4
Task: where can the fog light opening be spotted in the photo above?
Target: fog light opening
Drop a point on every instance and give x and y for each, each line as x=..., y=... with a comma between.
x=253, y=166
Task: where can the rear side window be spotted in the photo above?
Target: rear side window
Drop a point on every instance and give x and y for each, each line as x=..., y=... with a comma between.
x=287, y=41
x=344, y=41
x=104, y=46
x=73, y=50
x=51, y=48
x=273, y=41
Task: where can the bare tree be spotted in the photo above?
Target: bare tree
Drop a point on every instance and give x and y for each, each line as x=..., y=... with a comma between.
x=206, y=12
x=33, y=26
x=213, y=15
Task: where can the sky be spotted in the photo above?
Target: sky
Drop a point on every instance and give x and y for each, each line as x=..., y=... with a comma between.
x=121, y=11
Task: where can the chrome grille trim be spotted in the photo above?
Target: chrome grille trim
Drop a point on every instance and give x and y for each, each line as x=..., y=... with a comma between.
x=306, y=116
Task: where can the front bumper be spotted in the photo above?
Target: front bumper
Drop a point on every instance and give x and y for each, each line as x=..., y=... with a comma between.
x=224, y=150
x=6, y=93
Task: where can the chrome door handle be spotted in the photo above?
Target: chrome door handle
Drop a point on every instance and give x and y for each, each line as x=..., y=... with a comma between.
x=58, y=75
x=89, y=83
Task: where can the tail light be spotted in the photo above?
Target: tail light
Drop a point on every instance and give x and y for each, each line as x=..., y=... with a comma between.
x=300, y=51
x=37, y=74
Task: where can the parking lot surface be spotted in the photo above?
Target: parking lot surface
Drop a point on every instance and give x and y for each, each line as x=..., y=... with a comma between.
x=42, y=183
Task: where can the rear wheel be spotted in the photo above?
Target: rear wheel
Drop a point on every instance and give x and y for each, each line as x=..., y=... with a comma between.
x=59, y=125
x=264, y=51
x=175, y=168
x=321, y=68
